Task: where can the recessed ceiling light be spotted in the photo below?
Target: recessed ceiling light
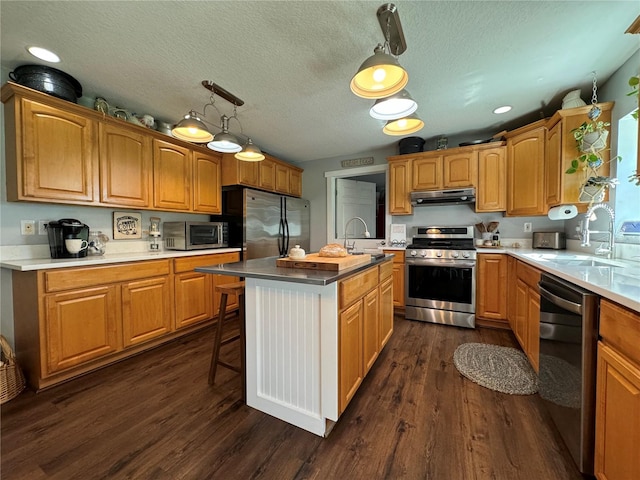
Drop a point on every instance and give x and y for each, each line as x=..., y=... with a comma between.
x=504, y=109
x=44, y=54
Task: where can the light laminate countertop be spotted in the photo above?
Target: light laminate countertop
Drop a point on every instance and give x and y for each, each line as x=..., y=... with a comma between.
x=93, y=260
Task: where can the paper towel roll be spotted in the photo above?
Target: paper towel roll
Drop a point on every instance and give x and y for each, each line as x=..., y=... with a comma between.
x=563, y=212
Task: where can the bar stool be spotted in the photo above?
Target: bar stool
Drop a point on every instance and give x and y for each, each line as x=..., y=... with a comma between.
x=236, y=288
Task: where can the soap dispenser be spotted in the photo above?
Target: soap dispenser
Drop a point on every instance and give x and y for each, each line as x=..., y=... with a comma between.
x=154, y=234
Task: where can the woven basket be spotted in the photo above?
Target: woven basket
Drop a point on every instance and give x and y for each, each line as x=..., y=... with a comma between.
x=11, y=377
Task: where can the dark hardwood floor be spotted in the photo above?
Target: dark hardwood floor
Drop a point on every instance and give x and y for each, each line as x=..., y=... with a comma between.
x=155, y=417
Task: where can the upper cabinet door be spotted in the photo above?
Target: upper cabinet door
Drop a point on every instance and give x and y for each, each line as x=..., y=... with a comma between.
x=125, y=167
x=491, y=188
x=283, y=183
x=267, y=174
x=460, y=169
x=57, y=160
x=171, y=176
x=207, y=193
x=427, y=173
x=525, y=167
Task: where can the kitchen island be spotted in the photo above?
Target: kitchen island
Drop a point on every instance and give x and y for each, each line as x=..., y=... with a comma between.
x=312, y=335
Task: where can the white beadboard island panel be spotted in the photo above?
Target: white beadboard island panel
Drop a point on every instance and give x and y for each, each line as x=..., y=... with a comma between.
x=292, y=352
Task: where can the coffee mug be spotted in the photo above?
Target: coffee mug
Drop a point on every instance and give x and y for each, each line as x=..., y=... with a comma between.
x=74, y=245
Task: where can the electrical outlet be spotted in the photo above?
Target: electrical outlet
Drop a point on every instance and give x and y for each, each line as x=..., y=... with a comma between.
x=42, y=227
x=527, y=227
x=28, y=227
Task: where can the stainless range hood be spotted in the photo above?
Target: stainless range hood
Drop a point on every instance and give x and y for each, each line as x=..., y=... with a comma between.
x=443, y=197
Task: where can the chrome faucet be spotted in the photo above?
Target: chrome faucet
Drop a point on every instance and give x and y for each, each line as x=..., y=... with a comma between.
x=586, y=233
x=351, y=248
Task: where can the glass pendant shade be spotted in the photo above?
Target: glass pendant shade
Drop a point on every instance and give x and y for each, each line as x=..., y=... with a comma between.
x=191, y=129
x=250, y=153
x=403, y=126
x=379, y=76
x=224, y=142
x=397, y=105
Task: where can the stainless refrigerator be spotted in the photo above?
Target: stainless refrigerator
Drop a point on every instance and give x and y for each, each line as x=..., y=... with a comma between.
x=265, y=224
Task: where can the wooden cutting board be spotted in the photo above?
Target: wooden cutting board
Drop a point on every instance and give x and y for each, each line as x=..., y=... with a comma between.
x=316, y=262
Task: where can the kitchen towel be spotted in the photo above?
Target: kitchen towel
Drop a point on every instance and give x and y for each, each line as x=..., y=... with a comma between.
x=563, y=212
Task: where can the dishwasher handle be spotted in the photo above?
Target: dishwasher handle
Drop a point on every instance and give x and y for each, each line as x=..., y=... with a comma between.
x=559, y=301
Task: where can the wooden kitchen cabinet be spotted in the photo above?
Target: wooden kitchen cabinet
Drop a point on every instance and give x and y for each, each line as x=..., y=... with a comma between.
x=145, y=304
x=172, y=167
x=50, y=153
x=491, y=190
x=267, y=177
x=618, y=394
x=80, y=325
x=398, y=277
x=74, y=320
x=365, y=325
x=563, y=188
x=399, y=186
x=527, y=311
x=195, y=298
x=426, y=172
x=270, y=174
x=491, y=301
x=126, y=168
x=61, y=152
x=511, y=291
x=207, y=188
x=525, y=170
x=460, y=169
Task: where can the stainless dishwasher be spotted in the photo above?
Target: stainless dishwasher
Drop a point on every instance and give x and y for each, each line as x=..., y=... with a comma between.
x=568, y=342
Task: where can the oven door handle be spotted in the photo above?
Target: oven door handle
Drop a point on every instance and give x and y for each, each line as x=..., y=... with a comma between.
x=439, y=263
x=559, y=301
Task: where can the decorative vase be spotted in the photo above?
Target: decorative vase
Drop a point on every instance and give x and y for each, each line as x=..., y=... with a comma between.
x=572, y=100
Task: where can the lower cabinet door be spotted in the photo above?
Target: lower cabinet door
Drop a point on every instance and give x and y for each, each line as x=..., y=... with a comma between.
x=146, y=310
x=617, y=454
x=386, y=311
x=370, y=329
x=81, y=325
x=350, y=371
x=194, y=298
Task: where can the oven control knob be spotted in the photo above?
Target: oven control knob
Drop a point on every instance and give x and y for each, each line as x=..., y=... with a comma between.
x=413, y=253
x=438, y=254
x=423, y=253
x=466, y=254
x=454, y=254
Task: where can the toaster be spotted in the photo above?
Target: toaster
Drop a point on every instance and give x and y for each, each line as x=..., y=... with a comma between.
x=551, y=240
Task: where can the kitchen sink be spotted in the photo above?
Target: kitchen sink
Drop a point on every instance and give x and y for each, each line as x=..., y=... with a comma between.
x=583, y=263
x=573, y=260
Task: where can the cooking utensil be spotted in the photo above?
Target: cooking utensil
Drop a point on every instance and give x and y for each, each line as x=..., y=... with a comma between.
x=481, y=228
x=493, y=226
x=48, y=80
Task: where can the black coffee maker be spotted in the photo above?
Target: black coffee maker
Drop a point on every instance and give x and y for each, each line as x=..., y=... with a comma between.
x=68, y=229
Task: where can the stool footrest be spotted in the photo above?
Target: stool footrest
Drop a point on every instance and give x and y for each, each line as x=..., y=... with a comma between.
x=235, y=368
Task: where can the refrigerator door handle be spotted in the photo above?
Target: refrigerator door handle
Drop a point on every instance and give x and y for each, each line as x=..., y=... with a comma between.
x=286, y=236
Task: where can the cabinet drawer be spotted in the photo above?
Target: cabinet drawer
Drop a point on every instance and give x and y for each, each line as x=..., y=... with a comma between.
x=398, y=255
x=187, y=264
x=68, y=278
x=620, y=327
x=528, y=274
x=355, y=287
x=386, y=270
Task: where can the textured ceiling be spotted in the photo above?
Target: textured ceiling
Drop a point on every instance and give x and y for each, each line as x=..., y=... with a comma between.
x=291, y=61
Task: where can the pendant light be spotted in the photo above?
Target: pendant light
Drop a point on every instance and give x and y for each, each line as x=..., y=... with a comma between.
x=250, y=153
x=379, y=76
x=224, y=141
x=192, y=129
x=404, y=125
x=397, y=105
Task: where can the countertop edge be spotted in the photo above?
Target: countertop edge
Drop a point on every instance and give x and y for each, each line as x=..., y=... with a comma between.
x=94, y=260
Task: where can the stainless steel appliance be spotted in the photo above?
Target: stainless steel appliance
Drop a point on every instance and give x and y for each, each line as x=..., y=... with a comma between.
x=568, y=342
x=265, y=224
x=440, y=276
x=551, y=240
x=443, y=197
x=65, y=229
x=195, y=235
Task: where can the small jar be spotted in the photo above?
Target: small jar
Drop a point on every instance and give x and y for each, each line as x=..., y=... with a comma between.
x=97, y=242
x=297, y=252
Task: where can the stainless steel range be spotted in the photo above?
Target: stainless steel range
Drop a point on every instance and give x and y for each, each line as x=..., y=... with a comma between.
x=440, y=276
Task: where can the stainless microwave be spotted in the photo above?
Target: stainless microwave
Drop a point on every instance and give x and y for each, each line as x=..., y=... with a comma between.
x=195, y=235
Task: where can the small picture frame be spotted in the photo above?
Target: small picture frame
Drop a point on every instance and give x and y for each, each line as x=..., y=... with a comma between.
x=127, y=225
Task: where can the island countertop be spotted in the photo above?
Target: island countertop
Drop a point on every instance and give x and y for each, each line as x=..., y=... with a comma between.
x=266, y=269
